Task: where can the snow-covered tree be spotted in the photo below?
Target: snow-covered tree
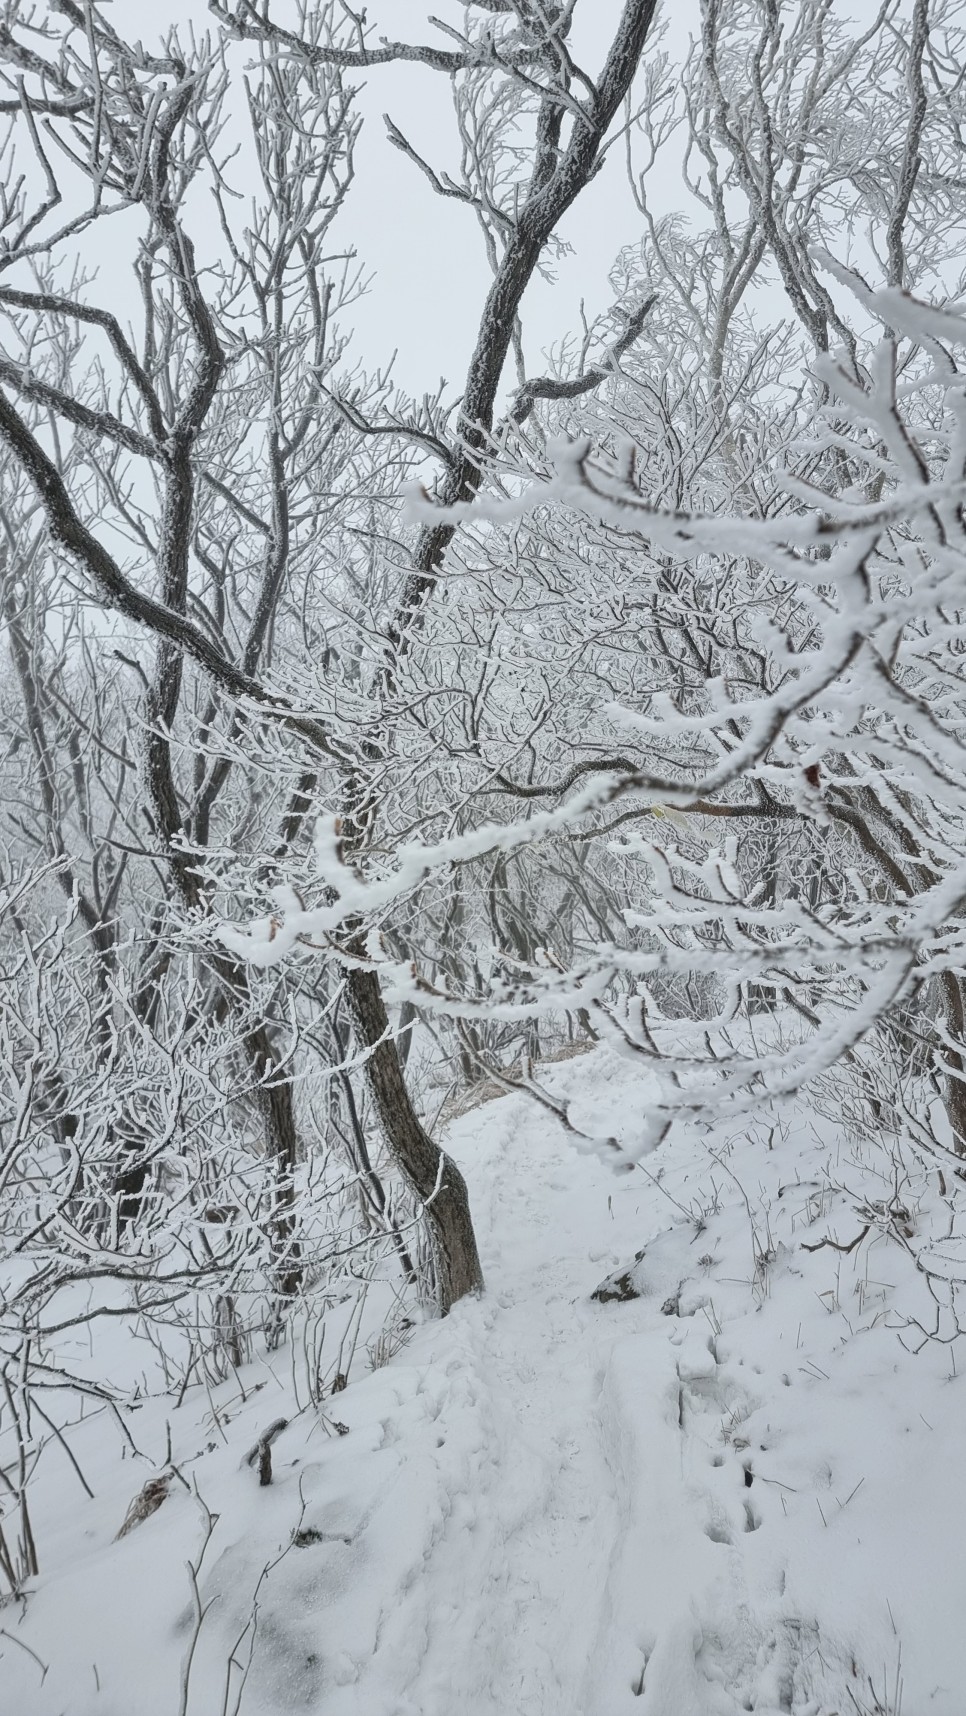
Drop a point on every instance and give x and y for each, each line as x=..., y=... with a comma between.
x=219, y=478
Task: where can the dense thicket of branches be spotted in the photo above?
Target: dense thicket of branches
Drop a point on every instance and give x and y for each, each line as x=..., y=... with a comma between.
x=642, y=719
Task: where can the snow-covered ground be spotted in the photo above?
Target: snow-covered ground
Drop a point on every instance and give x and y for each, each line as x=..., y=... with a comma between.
x=741, y=1489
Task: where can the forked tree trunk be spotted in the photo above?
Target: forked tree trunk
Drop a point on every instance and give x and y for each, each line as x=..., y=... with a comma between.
x=431, y=1174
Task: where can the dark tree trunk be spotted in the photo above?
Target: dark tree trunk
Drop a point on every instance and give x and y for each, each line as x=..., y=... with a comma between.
x=431, y=1174
x=281, y=1144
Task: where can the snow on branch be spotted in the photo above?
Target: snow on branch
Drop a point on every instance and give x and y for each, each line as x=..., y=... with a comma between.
x=850, y=723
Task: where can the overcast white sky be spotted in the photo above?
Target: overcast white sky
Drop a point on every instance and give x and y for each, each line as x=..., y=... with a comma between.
x=426, y=254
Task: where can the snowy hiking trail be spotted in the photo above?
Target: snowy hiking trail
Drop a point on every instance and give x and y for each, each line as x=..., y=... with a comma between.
x=595, y=1511
x=735, y=1492
x=523, y=1559
x=629, y=1521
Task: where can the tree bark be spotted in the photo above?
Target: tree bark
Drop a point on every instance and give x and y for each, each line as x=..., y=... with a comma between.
x=432, y=1175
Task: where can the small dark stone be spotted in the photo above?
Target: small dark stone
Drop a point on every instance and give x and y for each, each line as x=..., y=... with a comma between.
x=619, y=1288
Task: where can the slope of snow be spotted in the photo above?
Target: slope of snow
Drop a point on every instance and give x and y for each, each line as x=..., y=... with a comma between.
x=741, y=1489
